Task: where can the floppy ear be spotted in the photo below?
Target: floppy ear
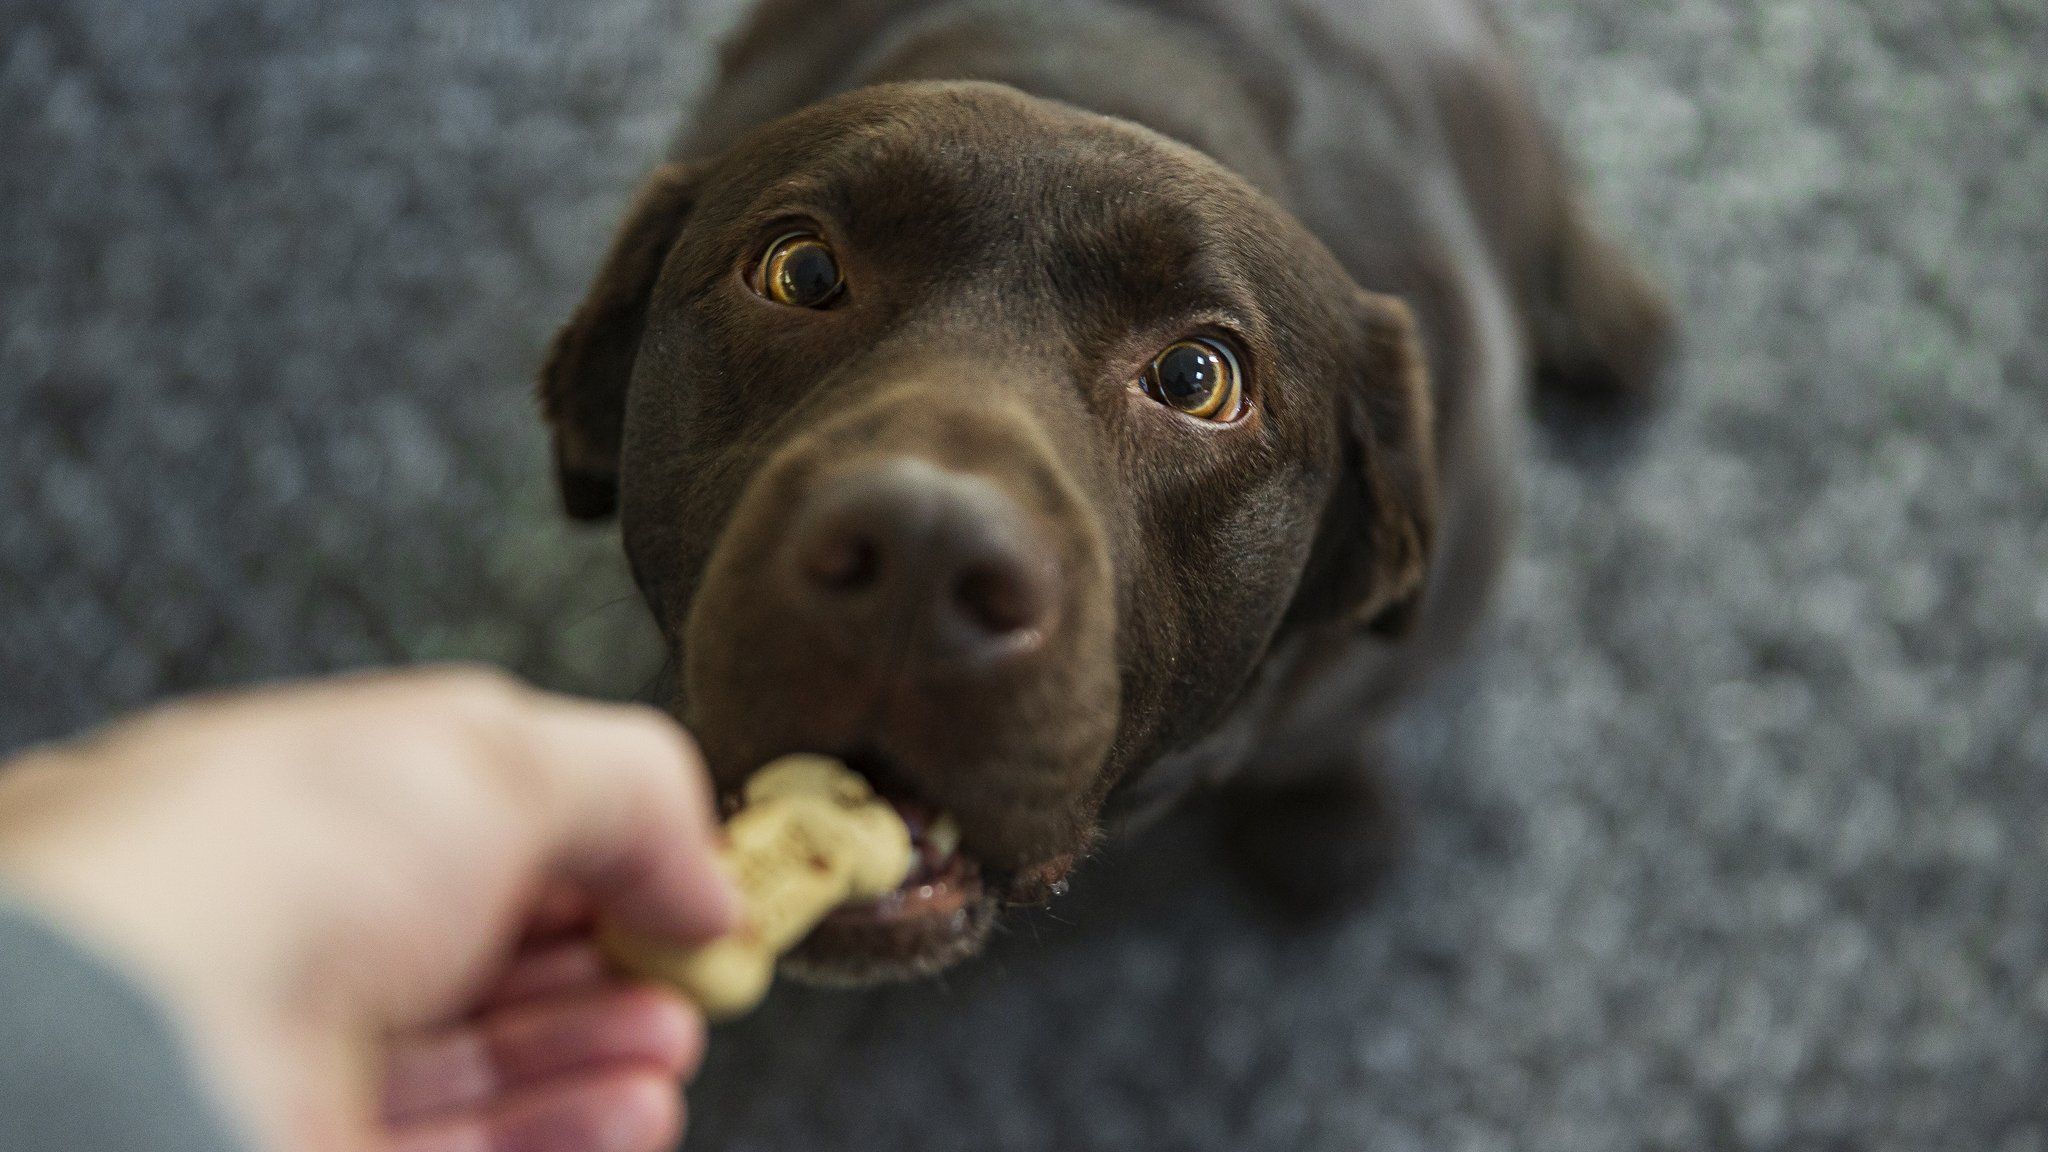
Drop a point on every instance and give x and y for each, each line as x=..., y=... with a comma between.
x=583, y=381
x=1391, y=467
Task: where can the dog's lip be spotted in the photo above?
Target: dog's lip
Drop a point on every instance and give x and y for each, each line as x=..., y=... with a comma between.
x=934, y=895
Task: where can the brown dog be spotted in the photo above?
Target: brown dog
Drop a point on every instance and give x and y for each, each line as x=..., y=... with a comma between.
x=1053, y=407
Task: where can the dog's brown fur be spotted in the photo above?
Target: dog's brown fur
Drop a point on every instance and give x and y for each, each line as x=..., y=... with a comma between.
x=1030, y=200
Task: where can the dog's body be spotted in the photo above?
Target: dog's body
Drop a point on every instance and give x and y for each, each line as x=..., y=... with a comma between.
x=1392, y=130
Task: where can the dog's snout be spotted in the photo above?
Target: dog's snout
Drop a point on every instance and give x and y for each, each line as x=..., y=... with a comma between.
x=904, y=559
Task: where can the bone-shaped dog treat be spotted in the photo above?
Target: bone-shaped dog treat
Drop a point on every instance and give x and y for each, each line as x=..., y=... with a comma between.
x=811, y=837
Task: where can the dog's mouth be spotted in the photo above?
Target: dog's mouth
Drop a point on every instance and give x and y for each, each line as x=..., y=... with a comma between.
x=942, y=912
x=944, y=882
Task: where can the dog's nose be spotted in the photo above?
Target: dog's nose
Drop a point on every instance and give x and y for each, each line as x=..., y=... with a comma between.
x=908, y=557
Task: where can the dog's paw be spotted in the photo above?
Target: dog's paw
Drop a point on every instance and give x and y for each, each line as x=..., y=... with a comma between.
x=1604, y=332
x=1316, y=850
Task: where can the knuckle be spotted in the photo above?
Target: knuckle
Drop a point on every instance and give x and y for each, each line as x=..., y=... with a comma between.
x=462, y=717
x=657, y=728
x=659, y=748
x=462, y=747
x=473, y=693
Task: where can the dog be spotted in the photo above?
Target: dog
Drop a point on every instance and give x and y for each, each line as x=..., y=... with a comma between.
x=1056, y=409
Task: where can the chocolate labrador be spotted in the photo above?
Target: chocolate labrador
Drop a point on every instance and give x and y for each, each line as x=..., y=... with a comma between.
x=1056, y=408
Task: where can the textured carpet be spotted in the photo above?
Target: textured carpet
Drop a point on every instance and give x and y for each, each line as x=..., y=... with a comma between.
x=1734, y=836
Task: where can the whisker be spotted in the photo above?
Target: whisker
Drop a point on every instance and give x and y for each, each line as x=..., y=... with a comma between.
x=661, y=674
x=591, y=613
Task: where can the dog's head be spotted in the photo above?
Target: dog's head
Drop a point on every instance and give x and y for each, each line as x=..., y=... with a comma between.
x=989, y=444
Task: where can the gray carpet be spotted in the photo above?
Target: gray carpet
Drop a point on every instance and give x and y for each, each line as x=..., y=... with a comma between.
x=1735, y=836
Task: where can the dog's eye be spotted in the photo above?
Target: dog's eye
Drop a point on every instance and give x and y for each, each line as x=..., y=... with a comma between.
x=800, y=270
x=1200, y=377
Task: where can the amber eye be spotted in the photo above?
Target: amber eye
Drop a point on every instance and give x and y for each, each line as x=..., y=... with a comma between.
x=800, y=270
x=1200, y=377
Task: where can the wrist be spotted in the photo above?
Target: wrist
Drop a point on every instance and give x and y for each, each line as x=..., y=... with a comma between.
x=123, y=891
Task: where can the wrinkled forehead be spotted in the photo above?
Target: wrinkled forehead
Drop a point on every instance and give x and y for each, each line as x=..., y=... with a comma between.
x=959, y=182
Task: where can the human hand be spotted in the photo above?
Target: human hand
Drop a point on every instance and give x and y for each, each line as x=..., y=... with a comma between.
x=368, y=904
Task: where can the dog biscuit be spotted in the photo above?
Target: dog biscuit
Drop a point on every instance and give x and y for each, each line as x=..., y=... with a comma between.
x=811, y=837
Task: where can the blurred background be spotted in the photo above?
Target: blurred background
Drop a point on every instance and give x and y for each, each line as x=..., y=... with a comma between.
x=1734, y=835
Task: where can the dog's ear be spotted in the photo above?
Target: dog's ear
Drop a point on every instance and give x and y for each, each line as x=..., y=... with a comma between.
x=1381, y=532
x=583, y=381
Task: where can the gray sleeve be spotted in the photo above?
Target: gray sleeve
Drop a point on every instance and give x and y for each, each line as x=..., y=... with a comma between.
x=88, y=1063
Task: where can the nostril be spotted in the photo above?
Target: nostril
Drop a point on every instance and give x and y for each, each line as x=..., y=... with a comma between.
x=1000, y=598
x=844, y=563
x=902, y=560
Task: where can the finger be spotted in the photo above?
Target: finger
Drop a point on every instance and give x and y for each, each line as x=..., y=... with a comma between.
x=559, y=910
x=626, y=803
x=463, y=1068
x=547, y=971
x=633, y=1111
